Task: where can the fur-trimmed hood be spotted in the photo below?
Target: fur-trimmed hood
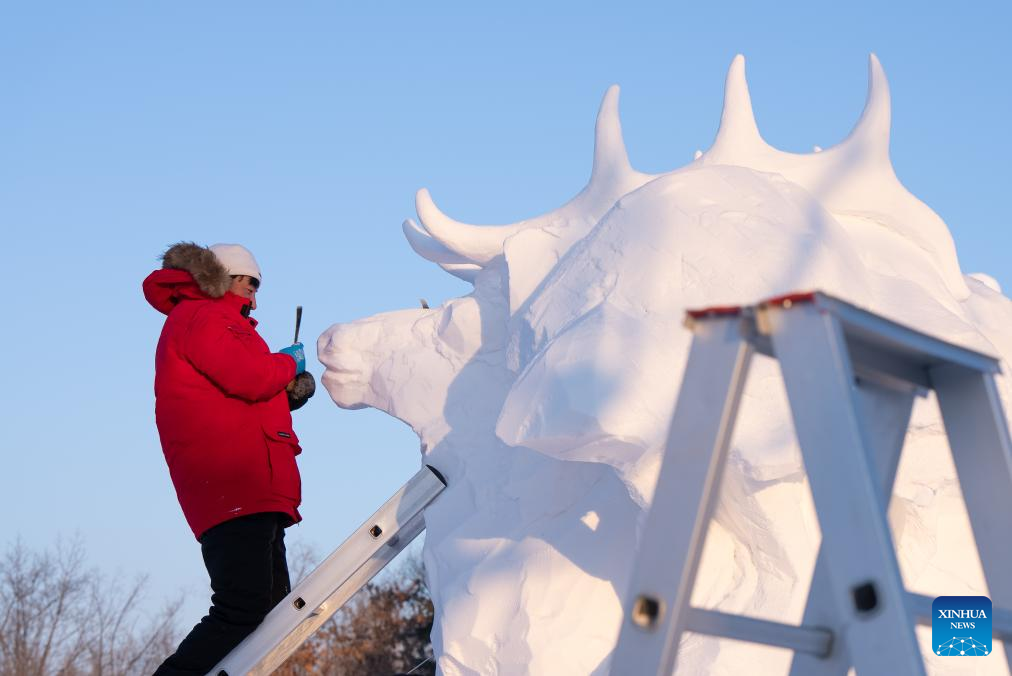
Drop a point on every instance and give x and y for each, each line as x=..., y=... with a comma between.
x=189, y=271
x=210, y=275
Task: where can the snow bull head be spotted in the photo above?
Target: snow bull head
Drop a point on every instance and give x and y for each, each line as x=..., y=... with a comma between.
x=544, y=395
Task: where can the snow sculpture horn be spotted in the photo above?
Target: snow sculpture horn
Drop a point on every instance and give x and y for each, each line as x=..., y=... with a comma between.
x=463, y=249
x=475, y=243
x=430, y=249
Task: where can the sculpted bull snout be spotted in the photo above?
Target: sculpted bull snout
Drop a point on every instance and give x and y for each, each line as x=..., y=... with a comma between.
x=400, y=362
x=356, y=352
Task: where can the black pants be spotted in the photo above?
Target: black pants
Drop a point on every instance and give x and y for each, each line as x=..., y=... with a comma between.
x=245, y=558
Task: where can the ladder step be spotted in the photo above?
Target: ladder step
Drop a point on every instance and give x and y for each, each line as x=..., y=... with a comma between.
x=817, y=641
x=811, y=640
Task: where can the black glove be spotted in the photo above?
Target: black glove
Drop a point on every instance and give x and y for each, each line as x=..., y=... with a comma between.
x=300, y=390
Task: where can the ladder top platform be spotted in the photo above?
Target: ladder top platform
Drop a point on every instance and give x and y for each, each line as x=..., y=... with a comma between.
x=875, y=343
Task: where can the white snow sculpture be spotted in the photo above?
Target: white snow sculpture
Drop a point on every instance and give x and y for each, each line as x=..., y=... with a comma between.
x=544, y=395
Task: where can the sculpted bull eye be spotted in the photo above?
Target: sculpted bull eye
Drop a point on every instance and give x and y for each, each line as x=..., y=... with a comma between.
x=460, y=326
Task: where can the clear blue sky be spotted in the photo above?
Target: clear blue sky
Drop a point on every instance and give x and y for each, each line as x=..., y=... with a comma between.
x=303, y=130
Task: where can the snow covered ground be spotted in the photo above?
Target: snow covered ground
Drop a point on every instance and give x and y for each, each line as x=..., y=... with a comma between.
x=544, y=395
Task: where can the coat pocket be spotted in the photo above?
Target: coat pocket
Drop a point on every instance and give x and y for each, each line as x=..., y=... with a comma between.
x=282, y=447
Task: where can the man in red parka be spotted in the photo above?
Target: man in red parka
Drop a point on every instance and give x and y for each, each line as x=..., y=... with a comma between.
x=222, y=406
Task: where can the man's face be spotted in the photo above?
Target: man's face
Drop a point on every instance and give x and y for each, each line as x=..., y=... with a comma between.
x=246, y=286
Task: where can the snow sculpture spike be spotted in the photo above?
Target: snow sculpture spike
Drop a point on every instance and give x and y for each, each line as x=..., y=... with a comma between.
x=611, y=161
x=460, y=248
x=848, y=178
x=738, y=129
x=854, y=176
x=739, y=140
x=871, y=133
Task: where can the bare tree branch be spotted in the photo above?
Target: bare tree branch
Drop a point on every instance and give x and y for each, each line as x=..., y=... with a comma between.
x=59, y=617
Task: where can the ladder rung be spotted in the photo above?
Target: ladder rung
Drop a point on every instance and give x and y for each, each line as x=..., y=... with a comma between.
x=811, y=640
x=314, y=600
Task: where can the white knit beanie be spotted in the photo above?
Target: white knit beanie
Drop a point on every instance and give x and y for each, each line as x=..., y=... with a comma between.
x=237, y=259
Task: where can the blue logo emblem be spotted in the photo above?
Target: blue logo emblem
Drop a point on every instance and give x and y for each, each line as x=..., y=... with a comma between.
x=961, y=626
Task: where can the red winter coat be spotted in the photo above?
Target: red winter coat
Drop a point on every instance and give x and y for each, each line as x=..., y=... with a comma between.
x=220, y=402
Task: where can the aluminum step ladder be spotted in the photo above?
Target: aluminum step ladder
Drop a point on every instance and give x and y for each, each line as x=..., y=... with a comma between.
x=851, y=378
x=348, y=568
